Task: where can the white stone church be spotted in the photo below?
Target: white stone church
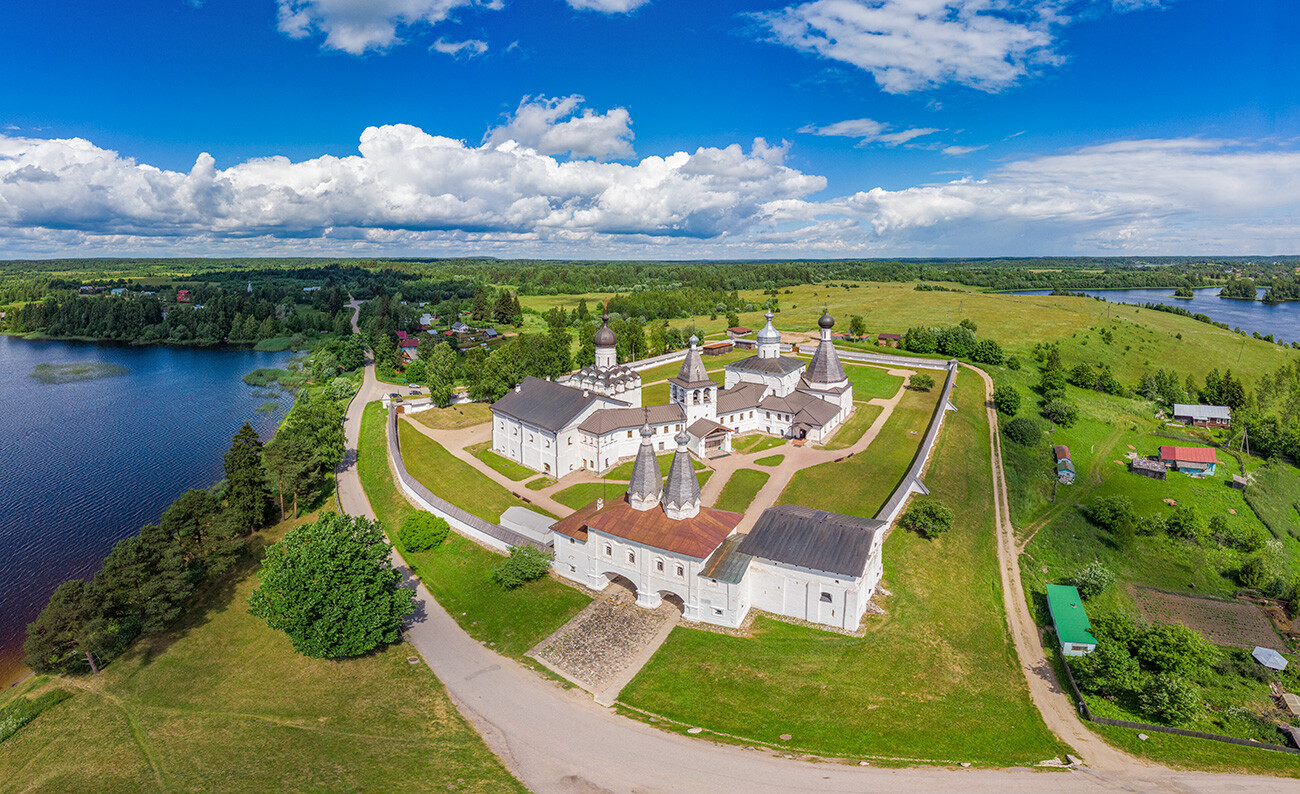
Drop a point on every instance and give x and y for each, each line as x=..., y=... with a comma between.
x=589, y=421
x=808, y=564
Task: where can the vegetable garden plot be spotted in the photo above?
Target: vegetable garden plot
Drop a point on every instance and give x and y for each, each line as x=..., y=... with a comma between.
x=1239, y=625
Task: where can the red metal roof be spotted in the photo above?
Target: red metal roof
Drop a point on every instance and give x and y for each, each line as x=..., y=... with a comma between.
x=1189, y=454
x=694, y=537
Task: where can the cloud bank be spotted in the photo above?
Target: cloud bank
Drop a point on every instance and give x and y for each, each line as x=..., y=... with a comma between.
x=531, y=189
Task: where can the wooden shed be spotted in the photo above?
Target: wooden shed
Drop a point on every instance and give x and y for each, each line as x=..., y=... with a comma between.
x=1148, y=467
x=1064, y=465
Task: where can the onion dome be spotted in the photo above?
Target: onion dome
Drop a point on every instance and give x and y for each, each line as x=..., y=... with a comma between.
x=826, y=321
x=605, y=336
x=769, y=335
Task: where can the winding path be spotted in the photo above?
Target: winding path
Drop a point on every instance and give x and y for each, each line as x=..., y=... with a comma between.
x=557, y=740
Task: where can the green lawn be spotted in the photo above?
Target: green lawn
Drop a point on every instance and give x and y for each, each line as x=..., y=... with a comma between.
x=863, y=483
x=454, y=417
x=655, y=394
x=852, y=431
x=623, y=471
x=755, y=442
x=940, y=656
x=1185, y=752
x=770, y=460
x=871, y=382
x=539, y=483
x=515, y=471
x=223, y=702
x=453, y=479
x=584, y=493
x=741, y=489
x=458, y=572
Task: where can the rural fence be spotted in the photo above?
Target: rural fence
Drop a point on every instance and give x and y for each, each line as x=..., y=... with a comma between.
x=896, y=361
x=491, y=535
x=1087, y=714
x=912, y=480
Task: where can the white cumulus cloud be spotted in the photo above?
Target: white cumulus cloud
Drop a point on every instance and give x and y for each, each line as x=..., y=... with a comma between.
x=868, y=131
x=356, y=26
x=908, y=45
x=470, y=48
x=608, y=6
x=555, y=126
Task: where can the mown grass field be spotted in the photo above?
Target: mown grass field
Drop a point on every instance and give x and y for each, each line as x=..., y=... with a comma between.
x=862, y=484
x=458, y=573
x=755, y=442
x=770, y=460
x=454, y=417
x=222, y=702
x=741, y=489
x=939, y=657
x=451, y=478
x=871, y=382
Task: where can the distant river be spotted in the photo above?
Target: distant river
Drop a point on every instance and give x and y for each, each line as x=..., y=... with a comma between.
x=87, y=463
x=1282, y=320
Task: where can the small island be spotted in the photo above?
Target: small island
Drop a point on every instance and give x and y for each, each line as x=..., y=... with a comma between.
x=75, y=371
x=1184, y=292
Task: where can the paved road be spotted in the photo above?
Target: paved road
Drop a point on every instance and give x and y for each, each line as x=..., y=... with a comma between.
x=560, y=741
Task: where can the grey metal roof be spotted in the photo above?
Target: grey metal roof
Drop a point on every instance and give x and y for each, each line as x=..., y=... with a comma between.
x=545, y=404
x=605, y=335
x=814, y=539
x=645, y=482
x=682, y=487
x=727, y=564
x=1202, y=412
x=607, y=420
x=740, y=397
x=1269, y=658
x=692, y=373
x=803, y=407
x=825, y=366
x=703, y=427
x=778, y=365
x=768, y=335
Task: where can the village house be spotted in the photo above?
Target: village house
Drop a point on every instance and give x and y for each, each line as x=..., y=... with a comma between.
x=1064, y=465
x=1203, y=415
x=889, y=340
x=1193, y=461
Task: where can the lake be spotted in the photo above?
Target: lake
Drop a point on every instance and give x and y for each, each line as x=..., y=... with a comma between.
x=1282, y=320
x=86, y=463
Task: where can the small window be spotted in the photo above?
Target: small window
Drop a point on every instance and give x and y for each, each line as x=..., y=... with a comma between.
x=629, y=434
x=570, y=541
x=681, y=571
x=631, y=557
x=717, y=611
x=826, y=598
x=570, y=440
x=659, y=566
x=609, y=551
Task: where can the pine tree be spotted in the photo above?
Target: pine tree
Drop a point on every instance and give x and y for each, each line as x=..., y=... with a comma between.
x=246, y=491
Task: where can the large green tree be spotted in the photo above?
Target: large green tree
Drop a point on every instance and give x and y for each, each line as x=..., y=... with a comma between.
x=246, y=492
x=330, y=586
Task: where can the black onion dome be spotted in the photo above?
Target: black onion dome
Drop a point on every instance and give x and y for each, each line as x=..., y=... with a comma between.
x=826, y=321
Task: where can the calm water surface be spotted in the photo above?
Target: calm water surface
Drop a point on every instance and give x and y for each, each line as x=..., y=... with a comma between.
x=1282, y=320
x=85, y=464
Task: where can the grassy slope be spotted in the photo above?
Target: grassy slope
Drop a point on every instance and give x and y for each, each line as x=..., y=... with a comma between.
x=1274, y=493
x=454, y=417
x=939, y=658
x=457, y=573
x=871, y=382
x=224, y=702
x=507, y=467
x=862, y=484
x=741, y=489
x=451, y=478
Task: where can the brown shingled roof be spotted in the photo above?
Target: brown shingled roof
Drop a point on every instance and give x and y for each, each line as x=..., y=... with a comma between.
x=696, y=537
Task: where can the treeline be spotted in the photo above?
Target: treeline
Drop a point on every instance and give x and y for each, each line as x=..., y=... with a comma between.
x=212, y=315
x=150, y=580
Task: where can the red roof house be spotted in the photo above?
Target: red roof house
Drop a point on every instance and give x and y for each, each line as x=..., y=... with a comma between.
x=182, y=296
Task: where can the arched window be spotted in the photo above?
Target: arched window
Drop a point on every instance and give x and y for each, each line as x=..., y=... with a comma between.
x=631, y=557
x=681, y=571
x=609, y=550
x=659, y=566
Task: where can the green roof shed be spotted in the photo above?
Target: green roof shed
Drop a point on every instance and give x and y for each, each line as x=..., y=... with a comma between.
x=1071, y=620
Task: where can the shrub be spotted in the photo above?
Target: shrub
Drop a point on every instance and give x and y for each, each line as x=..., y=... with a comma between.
x=1084, y=376
x=1062, y=413
x=988, y=352
x=1024, y=431
x=526, y=564
x=1267, y=571
x=1052, y=385
x=1151, y=525
x=928, y=518
x=1169, y=698
x=1092, y=579
x=1184, y=523
x=1110, y=512
x=1108, y=670
x=921, y=382
x=1007, y=400
x=1239, y=536
x=919, y=339
x=422, y=531
x=1013, y=362
x=1174, y=648
x=341, y=389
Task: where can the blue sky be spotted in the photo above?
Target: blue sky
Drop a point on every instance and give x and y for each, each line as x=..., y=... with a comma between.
x=650, y=128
